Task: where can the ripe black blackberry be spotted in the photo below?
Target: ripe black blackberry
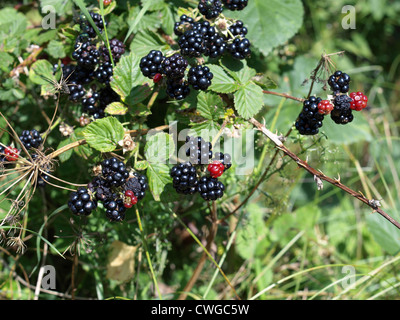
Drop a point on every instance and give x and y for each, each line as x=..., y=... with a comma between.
x=310, y=120
x=210, y=188
x=114, y=172
x=181, y=26
x=117, y=49
x=200, y=77
x=224, y=158
x=339, y=82
x=80, y=202
x=342, y=113
x=240, y=48
x=198, y=150
x=76, y=91
x=235, y=4
x=104, y=72
x=174, y=66
x=138, y=184
x=177, y=89
x=86, y=55
x=184, y=178
x=31, y=139
x=91, y=106
x=191, y=43
x=151, y=64
x=210, y=8
x=86, y=26
x=215, y=46
x=80, y=75
x=115, y=209
x=238, y=29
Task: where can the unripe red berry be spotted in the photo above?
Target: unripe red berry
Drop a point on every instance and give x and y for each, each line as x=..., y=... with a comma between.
x=359, y=101
x=157, y=77
x=325, y=107
x=12, y=154
x=216, y=169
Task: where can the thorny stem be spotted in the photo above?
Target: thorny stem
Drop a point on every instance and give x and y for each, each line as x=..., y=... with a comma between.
x=284, y=95
x=319, y=175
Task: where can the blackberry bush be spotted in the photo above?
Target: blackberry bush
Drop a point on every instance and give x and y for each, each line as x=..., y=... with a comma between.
x=210, y=188
x=114, y=172
x=240, y=48
x=117, y=49
x=198, y=150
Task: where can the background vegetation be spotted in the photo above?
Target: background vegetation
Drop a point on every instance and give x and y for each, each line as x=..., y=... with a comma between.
x=290, y=240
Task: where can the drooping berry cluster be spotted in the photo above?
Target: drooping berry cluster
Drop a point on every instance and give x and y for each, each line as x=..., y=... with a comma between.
x=339, y=105
x=200, y=77
x=151, y=64
x=189, y=178
x=116, y=188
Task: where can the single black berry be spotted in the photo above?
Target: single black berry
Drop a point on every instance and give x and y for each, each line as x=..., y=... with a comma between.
x=192, y=43
x=91, y=106
x=235, y=4
x=86, y=26
x=200, y=77
x=31, y=139
x=342, y=113
x=339, y=82
x=175, y=66
x=184, y=24
x=210, y=8
x=80, y=202
x=115, y=209
x=310, y=120
x=104, y=72
x=117, y=49
x=86, y=55
x=177, y=89
x=238, y=29
x=198, y=150
x=114, y=172
x=151, y=64
x=210, y=188
x=184, y=178
x=240, y=48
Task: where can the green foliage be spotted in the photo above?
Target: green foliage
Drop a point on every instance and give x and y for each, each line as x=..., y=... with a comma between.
x=288, y=239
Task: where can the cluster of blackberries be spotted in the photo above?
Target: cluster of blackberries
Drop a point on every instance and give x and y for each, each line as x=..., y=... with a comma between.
x=115, y=187
x=155, y=65
x=186, y=176
x=212, y=8
x=202, y=38
x=340, y=106
x=88, y=80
